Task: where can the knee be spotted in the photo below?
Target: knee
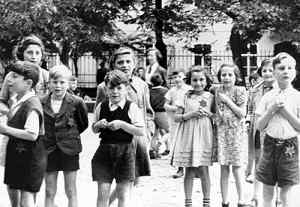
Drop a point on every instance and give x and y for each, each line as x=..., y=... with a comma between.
x=50, y=192
x=71, y=192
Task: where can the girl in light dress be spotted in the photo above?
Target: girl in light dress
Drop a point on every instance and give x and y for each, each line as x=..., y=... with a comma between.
x=193, y=141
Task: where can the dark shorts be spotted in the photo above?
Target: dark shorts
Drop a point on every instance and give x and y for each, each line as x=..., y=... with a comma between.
x=114, y=161
x=60, y=161
x=279, y=163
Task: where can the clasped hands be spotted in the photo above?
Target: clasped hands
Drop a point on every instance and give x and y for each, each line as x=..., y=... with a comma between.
x=113, y=125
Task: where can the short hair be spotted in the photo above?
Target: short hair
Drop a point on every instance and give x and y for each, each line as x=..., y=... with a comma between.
x=60, y=71
x=73, y=78
x=26, y=41
x=263, y=64
x=283, y=55
x=115, y=78
x=177, y=71
x=156, y=52
x=123, y=50
x=199, y=69
x=236, y=71
x=26, y=69
x=156, y=79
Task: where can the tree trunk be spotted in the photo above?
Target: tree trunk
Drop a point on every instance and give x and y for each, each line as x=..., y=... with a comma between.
x=64, y=56
x=160, y=45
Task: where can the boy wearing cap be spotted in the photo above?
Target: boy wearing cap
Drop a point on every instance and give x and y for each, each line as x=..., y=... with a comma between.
x=26, y=157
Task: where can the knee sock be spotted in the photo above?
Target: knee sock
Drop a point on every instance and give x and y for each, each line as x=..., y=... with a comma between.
x=188, y=203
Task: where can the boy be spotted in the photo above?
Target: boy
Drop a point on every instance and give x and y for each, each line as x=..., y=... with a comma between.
x=174, y=95
x=26, y=158
x=279, y=117
x=157, y=101
x=117, y=120
x=65, y=119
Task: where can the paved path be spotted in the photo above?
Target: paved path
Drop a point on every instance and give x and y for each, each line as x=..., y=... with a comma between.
x=159, y=190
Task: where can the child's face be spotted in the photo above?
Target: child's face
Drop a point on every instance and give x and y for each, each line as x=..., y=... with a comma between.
x=228, y=77
x=151, y=56
x=198, y=81
x=125, y=63
x=117, y=93
x=33, y=53
x=17, y=84
x=267, y=73
x=285, y=72
x=179, y=78
x=59, y=86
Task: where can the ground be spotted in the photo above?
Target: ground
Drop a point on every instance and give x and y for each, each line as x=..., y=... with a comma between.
x=159, y=190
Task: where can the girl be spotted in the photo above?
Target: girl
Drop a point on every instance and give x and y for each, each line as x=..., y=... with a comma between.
x=256, y=93
x=193, y=145
x=31, y=49
x=231, y=101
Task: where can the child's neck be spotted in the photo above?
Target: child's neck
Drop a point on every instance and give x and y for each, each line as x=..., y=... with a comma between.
x=268, y=83
x=21, y=94
x=179, y=86
x=198, y=92
x=227, y=87
x=58, y=98
x=283, y=86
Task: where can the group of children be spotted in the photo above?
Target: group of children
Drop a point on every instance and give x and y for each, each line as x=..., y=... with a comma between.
x=211, y=126
x=207, y=123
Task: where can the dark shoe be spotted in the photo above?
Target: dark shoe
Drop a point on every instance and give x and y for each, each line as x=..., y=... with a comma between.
x=225, y=204
x=166, y=152
x=244, y=205
x=178, y=174
x=250, y=178
x=154, y=154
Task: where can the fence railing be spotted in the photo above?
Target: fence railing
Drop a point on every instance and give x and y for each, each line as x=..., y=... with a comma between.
x=177, y=59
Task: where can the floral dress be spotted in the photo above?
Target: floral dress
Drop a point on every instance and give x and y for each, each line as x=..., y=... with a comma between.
x=231, y=130
x=193, y=137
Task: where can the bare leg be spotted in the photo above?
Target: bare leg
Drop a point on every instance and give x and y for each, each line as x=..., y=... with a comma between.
x=70, y=188
x=285, y=196
x=239, y=182
x=124, y=190
x=27, y=199
x=51, y=187
x=268, y=195
x=103, y=194
x=224, y=183
x=14, y=197
x=188, y=186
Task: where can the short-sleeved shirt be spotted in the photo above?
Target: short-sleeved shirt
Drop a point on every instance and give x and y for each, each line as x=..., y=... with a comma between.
x=278, y=126
x=134, y=113
x=31, y=124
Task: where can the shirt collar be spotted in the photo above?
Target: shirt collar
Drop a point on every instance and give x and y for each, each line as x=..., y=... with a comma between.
x=23, y=99
x=121, y=104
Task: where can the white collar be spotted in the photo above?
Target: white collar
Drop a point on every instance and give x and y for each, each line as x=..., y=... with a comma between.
x=113, y=107
x=22, y=100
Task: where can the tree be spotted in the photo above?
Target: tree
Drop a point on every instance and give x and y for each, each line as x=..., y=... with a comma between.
x=69, y=27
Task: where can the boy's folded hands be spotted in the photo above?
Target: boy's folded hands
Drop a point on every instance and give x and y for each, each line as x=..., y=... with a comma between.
x=113, y=125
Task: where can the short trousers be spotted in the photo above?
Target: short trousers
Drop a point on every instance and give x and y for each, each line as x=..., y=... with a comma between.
x=279, y=163
x=60, y=161
x=114, y=161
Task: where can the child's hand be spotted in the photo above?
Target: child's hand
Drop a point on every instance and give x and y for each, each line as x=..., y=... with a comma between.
x=3, y=108
x=277, y=105
x=2, y=128
x=102, y=124
x=115, y=125
x=224, y=98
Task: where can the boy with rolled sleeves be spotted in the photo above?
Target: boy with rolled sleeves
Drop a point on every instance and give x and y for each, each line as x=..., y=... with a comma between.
x=65, y=119
x=279, y=117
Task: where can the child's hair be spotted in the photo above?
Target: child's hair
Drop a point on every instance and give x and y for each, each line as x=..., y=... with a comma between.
x=29, y=40
x=201, y=69
x=177, y=71
x=263, y=64
x=123, y=50
x=254, y=76
x=283, y=55
x=27, y=69
x=73, y=78
x=236, y=71
x=59, y=71
x=156, y=80
x=115, y=78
